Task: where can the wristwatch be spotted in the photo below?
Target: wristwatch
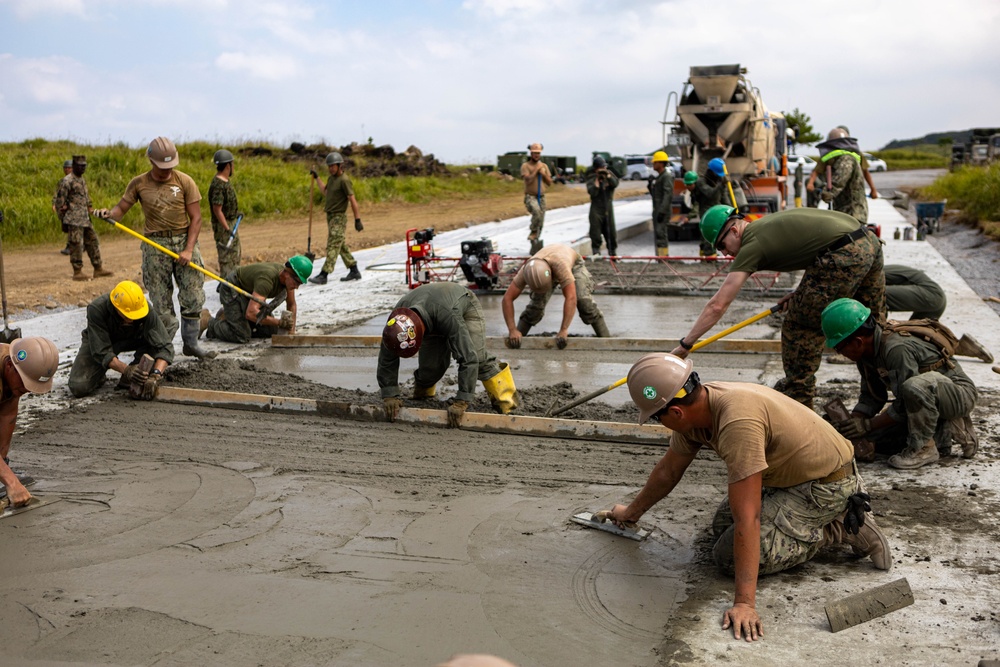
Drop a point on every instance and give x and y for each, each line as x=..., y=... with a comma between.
x=685, y=345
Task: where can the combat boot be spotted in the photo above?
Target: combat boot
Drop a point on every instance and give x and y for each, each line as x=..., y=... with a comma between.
x=101, y=272
x=963, y=432
x=909, y=459
x=353, y=274
x=870, y=540
x=601, y=328
x=78, y=274
x=189, y=334
x=970, y=347
x=319, y=279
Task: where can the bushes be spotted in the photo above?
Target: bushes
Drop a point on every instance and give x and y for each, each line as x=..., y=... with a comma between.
x=975, y=190
x=271, y=183
x=910, y=158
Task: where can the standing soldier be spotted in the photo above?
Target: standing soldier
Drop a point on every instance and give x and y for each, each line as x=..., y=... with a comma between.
x=840, y=158
x=839, y=257
x=601, y=184
x=663, y=194
x=557, y=263
x=536, y=176
x=339, y=193
x=170, y=202
x=74, y=207
x=67, y=170
x=222, y=199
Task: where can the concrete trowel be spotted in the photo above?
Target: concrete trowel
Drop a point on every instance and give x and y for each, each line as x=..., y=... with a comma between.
x=36, y=501
x=601, y=521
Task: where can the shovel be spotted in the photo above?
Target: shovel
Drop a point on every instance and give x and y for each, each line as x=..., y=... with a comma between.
x=697, y=346
x=9, y=335
x=309, y=239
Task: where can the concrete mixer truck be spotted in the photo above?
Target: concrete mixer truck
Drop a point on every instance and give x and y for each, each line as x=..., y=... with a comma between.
x=720, y=114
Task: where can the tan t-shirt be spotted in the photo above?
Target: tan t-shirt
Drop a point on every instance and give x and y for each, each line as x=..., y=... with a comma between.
x=758, y=429
x=560, y=258
x=163, y=204
x=530, y=177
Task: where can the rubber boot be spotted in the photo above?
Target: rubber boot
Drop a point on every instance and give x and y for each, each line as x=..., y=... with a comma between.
x=963, y=432
x=189, y=334
x=319, y=279
x=101, y=272
x=601, y=328
x=909, y=459
x=502, y=392
x=420, y=393
x=870, y=540
x=663, y=251
x=78, y=274
x=970, y=347
x=353, y=274
x=523, y=326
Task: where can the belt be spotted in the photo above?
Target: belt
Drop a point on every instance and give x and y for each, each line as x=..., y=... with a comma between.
x=840, y=473
x=166, y=235
x=847, y=239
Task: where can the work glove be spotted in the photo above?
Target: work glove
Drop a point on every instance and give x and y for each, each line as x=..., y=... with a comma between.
x=826, y=196
x=312, y=172
x=853, y=428
x=102, y=213
x=358, y=227
x=151, y=386
x=561, y=342
x=513, y=343
x=134, y=375
x=456, y=411
x=287, y=320
x=857, y=505
x=393, y=405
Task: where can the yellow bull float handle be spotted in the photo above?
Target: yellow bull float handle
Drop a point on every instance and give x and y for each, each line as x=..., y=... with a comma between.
x=171, y=253
x=697, y=346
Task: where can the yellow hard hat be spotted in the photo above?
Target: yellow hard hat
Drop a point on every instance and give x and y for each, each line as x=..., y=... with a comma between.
x=660, y=156
x=128, y=299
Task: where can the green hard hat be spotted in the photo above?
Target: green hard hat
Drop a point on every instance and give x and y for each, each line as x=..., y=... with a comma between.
x=841, y=318
x=690, y=177
x=301, y=266
x=714, y=220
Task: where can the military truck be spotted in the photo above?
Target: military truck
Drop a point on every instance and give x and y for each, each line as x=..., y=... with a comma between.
x=720, y=114
x=562, y=167
x=981, y=148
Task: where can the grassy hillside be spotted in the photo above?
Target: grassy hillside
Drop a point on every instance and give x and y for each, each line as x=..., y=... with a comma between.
x=271, y=183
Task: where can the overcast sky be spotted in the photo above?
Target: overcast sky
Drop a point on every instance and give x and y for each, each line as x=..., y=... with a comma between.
x=468, y=79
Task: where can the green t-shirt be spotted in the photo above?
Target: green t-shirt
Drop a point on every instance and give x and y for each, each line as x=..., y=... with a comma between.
x=261, y=278
x=790, y=240
x=338, y=190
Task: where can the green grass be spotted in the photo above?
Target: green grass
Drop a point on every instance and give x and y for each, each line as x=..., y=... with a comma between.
x=974, y=190
x=925, y=157
x=268, y=186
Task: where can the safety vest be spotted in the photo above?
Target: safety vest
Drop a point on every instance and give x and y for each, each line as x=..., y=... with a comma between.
x=839, y=152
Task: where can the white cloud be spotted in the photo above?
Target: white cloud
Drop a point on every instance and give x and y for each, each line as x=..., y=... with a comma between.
x=270, y=67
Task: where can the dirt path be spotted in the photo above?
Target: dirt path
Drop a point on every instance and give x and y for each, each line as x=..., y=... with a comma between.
x=38, y=278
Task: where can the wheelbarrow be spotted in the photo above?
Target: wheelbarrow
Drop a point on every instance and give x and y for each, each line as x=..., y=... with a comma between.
x=929, y=216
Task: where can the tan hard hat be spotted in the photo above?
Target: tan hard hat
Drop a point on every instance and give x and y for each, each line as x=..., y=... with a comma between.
x=538, y=275
x=535, y=148
x=655, y=380
x=163, y=153
x=836, y=133
x=35, y=359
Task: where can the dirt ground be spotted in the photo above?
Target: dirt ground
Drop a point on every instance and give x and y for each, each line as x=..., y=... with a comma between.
x=188, y=535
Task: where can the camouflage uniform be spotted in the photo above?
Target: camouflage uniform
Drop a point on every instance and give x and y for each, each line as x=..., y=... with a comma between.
x=339, y=190
x=534, y=199
x=848, y=186
x=221, y=193
x=792, y=523
x=924, y=400
x=602, y=211
x=234, y=326
x=72, y=193
x=160, y=271
x=663, y=193
x=911, y=289
x=585, y=305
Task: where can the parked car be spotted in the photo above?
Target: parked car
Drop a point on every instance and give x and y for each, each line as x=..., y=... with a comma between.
x=808, y=164
x=876, y=163
x=677, y=166
x=638, y=167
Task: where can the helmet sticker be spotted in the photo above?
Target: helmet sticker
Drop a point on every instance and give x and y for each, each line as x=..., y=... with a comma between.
x=411, y=332
x=649, y=392
x=22, y=355
x=392, y=320
x=401, y=336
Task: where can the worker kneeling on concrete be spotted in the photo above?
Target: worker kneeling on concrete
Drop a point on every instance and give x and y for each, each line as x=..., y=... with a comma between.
x=121, y=321
x=242, y=318
x=557, y=263
x=793, y=485
x=441, y=321
x=933, y=400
